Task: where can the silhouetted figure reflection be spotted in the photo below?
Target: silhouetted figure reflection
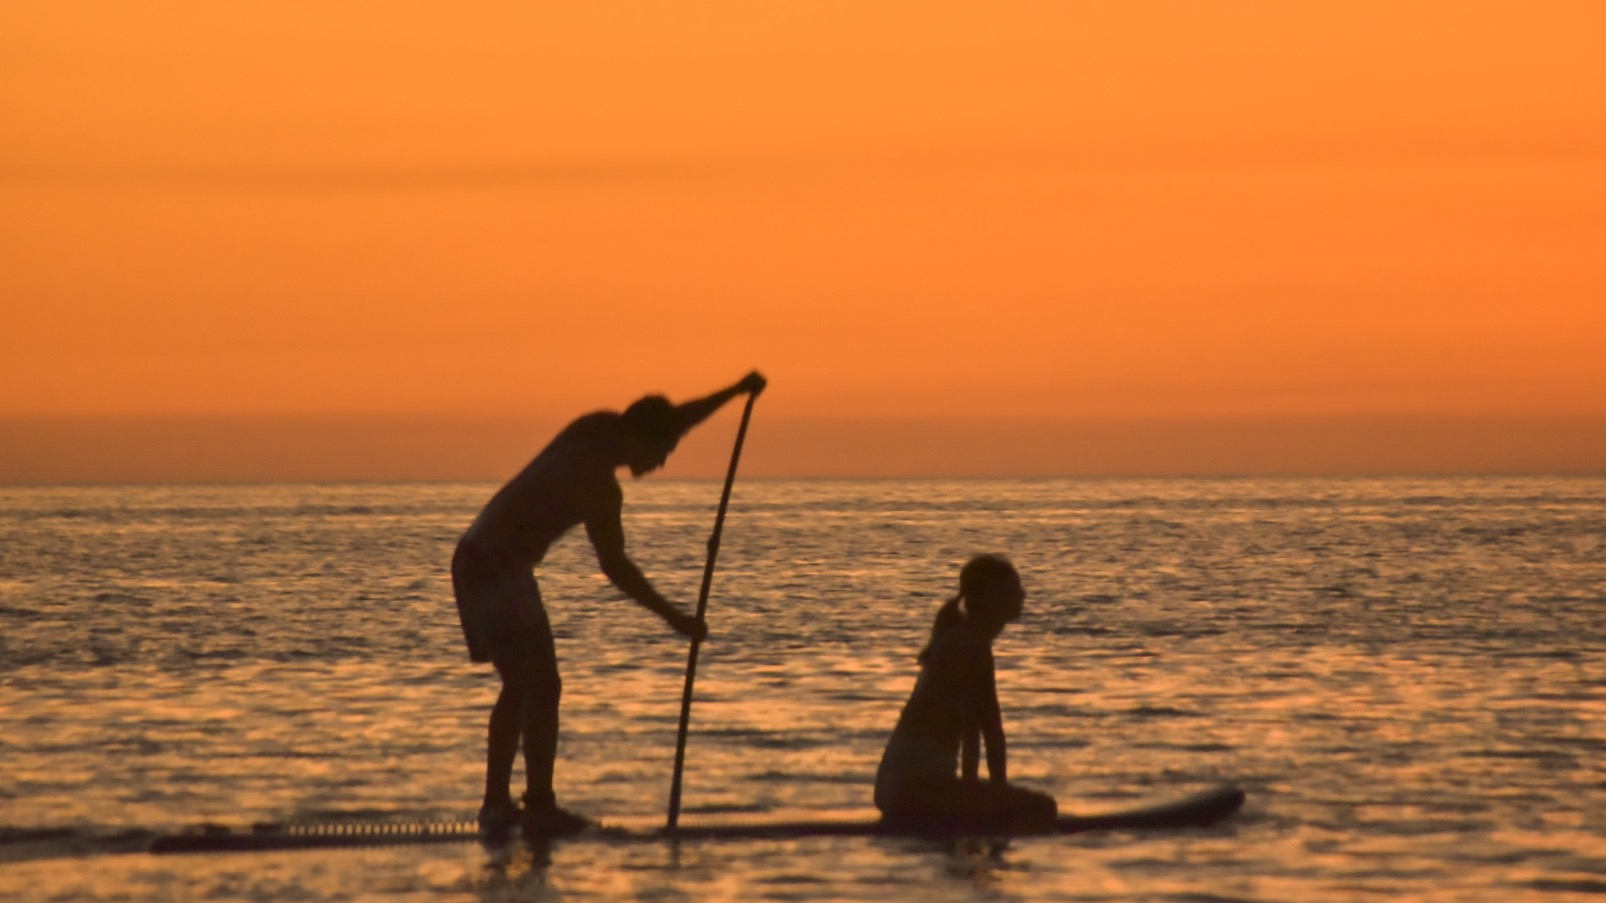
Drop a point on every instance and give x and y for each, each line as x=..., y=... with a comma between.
x=572, y=481
x=952, y=711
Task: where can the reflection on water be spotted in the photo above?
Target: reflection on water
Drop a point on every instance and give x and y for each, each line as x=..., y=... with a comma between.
x=1402, y=673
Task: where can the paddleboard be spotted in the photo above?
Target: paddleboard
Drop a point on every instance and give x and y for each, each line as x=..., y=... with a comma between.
x=1197, y=809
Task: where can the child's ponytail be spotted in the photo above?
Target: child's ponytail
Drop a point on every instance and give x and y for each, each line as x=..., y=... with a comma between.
x=947, y=616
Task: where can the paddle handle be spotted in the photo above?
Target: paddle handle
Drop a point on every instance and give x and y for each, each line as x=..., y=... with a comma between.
x=702, y=608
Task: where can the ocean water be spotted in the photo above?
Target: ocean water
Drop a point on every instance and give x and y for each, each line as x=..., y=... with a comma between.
x=1408, y=676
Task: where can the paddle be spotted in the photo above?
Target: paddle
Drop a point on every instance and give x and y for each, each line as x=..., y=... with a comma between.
x=702, y=607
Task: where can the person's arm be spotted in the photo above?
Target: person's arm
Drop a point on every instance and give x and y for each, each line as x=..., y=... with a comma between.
x=693, y=412
x=991, y=720
x=970, y=753
x=607, y=535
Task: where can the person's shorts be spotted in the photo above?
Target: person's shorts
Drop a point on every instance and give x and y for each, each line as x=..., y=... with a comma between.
x=499, y=607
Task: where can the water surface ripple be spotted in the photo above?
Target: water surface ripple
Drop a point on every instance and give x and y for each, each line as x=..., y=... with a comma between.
x=1405, y=674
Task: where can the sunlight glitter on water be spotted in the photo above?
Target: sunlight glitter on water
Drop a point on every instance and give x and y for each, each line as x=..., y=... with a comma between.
x=1400, y=673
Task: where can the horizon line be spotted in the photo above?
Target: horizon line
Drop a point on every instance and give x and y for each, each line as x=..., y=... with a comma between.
x=254, y=449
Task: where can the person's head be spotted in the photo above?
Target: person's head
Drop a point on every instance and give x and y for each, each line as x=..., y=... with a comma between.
x=991, y=589
x=652, y=430
x=992, y=596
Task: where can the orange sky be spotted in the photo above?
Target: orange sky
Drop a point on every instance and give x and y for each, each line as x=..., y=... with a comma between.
x=1039, y=223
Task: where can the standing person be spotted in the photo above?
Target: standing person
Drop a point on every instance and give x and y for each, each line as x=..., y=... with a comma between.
x=953, y=709
x=572, y=481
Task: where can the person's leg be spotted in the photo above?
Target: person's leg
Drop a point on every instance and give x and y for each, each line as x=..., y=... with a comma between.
x=945, y=804
x=540, y=728
x=1007, y=807
x=920, y=802
x=1029, y=810
x=541, y=813
x=915, y=782
x=502, y=738
x=540, y=725
x=484, y=602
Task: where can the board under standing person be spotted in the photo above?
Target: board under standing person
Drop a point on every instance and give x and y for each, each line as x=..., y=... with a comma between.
x=572, y=482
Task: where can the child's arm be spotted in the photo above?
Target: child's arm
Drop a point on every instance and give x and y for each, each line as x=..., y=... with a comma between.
x=978, y=697
x=970, y=753
x=997, y=758
x=991, y=719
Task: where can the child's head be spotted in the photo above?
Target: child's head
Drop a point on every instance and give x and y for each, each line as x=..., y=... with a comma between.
x=992, y=595
x=991, y=589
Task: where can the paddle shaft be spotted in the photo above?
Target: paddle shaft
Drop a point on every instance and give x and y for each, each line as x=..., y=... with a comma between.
x=702, y=608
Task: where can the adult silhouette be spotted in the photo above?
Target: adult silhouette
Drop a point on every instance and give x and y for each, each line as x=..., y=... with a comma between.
x=573, y=481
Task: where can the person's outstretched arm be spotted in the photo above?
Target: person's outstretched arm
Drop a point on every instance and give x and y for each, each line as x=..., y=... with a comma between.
x=607, y=536
x=697, y=410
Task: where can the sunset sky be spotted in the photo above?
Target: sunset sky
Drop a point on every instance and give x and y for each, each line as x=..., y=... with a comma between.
x=394, y=239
